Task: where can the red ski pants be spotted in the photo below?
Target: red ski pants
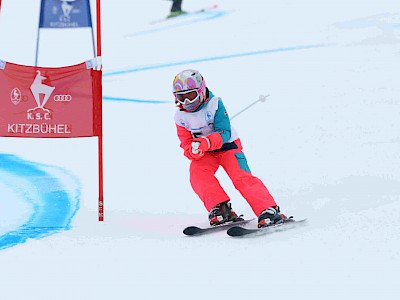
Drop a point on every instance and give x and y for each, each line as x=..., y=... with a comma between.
x=208, y=188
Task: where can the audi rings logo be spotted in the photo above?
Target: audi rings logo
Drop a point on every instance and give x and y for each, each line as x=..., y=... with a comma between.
x=62, y=98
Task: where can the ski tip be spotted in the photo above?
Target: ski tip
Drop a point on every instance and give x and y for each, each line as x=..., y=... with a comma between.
x=236, y=231
x=191, y=230
x=299, y=221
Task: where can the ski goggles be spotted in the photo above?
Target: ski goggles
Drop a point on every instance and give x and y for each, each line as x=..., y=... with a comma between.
x=187, y=97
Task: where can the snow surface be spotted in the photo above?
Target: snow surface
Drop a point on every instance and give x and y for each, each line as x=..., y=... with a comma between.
x=326, y=143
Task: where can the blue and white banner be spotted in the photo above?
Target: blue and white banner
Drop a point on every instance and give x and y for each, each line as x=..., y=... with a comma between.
x=65, y=14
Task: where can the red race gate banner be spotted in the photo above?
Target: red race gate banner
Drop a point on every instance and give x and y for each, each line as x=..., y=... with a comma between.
x=38, y=102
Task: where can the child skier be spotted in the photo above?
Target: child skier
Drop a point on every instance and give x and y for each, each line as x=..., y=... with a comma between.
x=209, y=141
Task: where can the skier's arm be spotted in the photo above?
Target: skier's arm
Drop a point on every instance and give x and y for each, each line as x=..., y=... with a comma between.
x=186, y=139
x=185, y=136
x=222, y=124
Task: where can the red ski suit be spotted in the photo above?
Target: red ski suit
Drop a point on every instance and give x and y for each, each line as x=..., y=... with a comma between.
x=226, y=151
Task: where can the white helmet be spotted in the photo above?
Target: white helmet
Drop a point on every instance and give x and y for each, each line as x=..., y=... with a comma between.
x=189, y=89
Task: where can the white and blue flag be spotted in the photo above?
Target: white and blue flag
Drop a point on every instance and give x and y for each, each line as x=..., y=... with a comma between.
x=65, y=14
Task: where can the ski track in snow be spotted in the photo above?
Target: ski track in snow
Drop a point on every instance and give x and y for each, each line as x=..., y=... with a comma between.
x=184, y=20
x=185, y=62
x=49, y=205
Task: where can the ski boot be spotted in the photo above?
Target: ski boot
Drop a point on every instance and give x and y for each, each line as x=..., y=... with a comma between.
x=270, y=216
x=222, y=213
x=176, y=13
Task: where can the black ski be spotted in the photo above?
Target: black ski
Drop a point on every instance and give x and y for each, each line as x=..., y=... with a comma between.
x=194, y=230
x=215, y=6
x=237, y=231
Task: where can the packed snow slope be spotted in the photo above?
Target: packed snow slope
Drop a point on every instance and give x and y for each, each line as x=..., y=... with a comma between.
x=326, y=143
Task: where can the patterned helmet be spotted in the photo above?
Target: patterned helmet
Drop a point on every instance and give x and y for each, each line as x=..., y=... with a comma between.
x=189, y=81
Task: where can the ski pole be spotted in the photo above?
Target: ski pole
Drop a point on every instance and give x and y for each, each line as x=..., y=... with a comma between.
x=262, y=98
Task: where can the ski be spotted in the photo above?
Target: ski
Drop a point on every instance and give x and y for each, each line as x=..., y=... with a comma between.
x=237, y=231
x=215, y=6
x=194, y=230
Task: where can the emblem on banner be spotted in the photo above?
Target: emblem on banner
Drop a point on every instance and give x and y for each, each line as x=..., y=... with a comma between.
x=15, y=96
x=42, y=93
x=38, y=88
x=66, y=8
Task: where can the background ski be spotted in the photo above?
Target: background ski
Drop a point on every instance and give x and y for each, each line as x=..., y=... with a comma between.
x=215, y=6
x=194, y=230
x=236, y=231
